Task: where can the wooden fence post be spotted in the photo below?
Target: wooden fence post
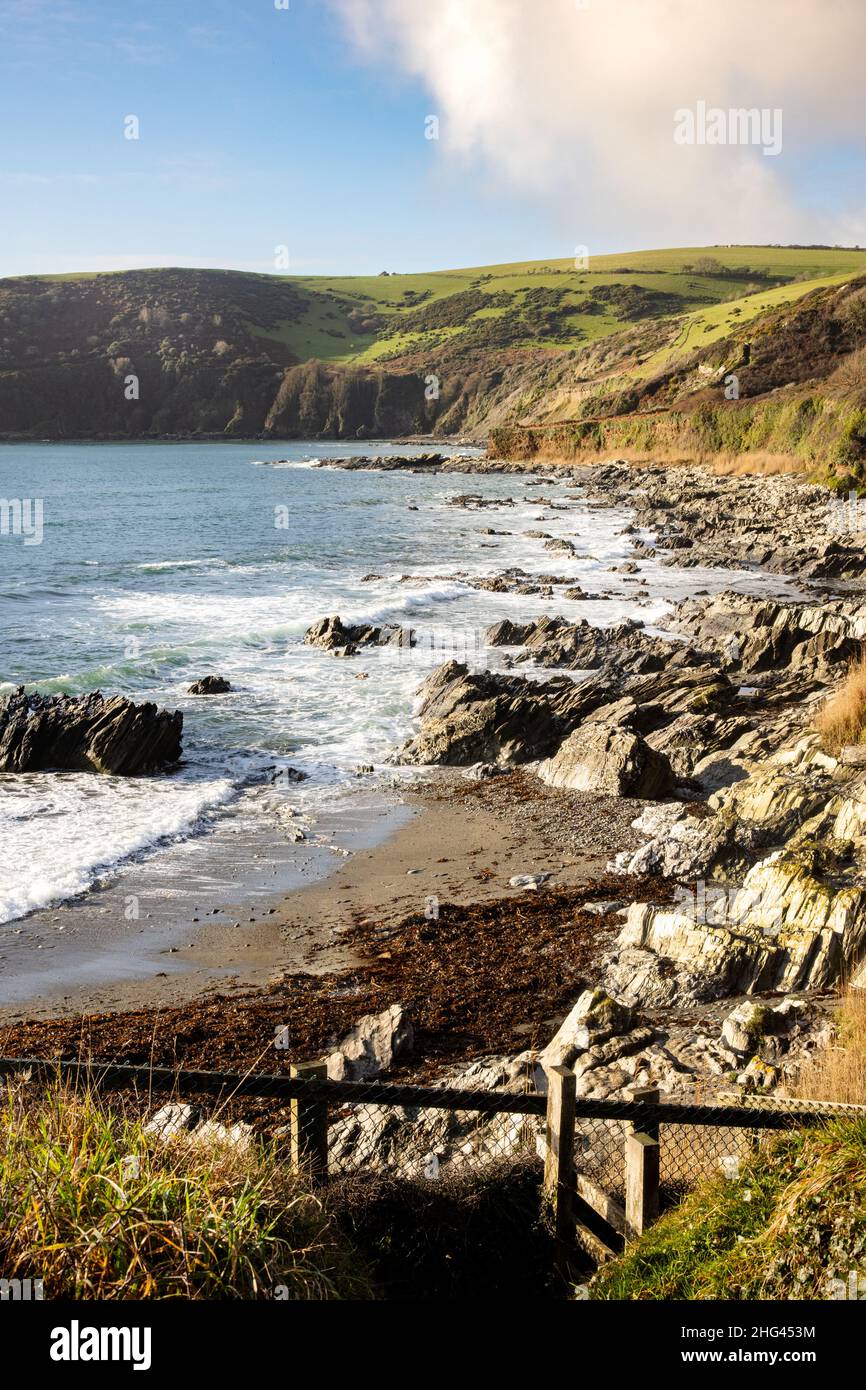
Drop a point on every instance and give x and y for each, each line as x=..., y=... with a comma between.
x=641, y=1170
x=559, y=1157
x=309, y=1125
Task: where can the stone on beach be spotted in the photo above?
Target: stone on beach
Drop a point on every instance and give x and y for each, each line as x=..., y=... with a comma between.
x=528, y=880
x=376, y=1041
x=609, y=760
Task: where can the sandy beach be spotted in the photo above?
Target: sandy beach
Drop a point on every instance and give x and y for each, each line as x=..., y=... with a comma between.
x=460, y=844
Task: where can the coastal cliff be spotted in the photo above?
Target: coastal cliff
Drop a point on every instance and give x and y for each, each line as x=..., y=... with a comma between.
x=750, y=352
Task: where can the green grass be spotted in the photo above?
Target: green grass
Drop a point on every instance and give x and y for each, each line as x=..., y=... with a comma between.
x=716, y=288
x=701, y=327
x=789, y=1225
x=97, y=1209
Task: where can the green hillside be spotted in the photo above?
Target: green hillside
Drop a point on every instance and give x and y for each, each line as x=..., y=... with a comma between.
x=218, y=352
x=546, y=303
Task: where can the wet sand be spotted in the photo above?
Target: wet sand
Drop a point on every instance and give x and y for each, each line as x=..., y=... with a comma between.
x=455, y=841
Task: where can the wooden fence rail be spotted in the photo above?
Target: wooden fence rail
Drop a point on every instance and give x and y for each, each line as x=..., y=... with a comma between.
x=312, y=1097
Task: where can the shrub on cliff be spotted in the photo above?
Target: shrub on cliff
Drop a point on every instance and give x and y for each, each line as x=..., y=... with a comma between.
x=842, y=721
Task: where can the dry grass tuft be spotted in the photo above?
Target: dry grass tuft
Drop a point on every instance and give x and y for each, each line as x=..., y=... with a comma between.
x=97, y=1209
x=842, y=721
x=839, y=1073
x=758, y=463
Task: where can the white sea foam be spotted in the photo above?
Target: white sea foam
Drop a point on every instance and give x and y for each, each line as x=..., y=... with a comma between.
x=166, y=618
x=62, y=833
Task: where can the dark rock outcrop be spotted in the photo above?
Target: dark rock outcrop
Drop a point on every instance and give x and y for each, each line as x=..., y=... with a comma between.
x=344, y=639
x=210, y=685
x=86, y=733
x=609, y=759
x=481, y=717
x=553, y=641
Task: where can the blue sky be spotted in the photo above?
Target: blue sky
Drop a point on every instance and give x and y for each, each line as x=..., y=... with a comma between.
x=258, y=128
x=262, y=127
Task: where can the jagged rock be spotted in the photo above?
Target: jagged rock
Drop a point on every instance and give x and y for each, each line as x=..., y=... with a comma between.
x=840, y=822
x=376, y=1041
x=689, y=848
x=336, y=636
x=553, y=641
x=502, y=720
x=171, y=1120
x=743, y=1028
x=777, y=799
x=757, y=635
x=210, y=685
x=86, y=733
x=613, y=761
x=475, y=501
x=762, y=809
x=292, y=774
x=239, y=1135
x=177, y=1121
x=403, y=1138
x=787, y=928
x=692, y=738
x=758, y=1076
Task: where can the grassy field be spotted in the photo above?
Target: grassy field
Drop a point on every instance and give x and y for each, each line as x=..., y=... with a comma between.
x=555, y=304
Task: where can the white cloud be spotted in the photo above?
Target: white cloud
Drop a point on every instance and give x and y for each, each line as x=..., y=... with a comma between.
x=575, y=107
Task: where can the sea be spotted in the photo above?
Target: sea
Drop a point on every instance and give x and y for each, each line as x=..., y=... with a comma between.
x=137, y=569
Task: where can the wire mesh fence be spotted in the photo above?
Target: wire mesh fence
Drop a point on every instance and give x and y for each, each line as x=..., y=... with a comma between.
x=426, y=1142
x=689, y=1152
x=351, y=1130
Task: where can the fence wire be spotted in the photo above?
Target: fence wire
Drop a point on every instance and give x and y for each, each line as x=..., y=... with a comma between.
x=421, y=1142
x=493, y=1117
x=689, y=1153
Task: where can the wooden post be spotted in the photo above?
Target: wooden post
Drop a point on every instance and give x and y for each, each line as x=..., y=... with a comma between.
x=309, y=1124
x=641, y=1170
x=559, y=1157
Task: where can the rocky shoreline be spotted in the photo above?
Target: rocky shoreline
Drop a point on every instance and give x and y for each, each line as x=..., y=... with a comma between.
x=759, y=827
x=748, y=837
